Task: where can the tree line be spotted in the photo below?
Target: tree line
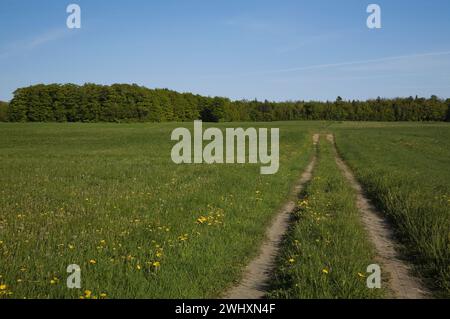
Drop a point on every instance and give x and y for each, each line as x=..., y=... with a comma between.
x=133, y=103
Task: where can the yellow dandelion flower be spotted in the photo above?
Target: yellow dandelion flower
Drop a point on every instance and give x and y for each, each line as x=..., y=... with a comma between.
x=202, y=220
x=325, y=271
x=159, y=254
x=291, y=260
x=103, y=295
x=87, y=293
x=3, y=287
x=92, y=261
x=71, y=246
x=156, y=264
x=54, y=281
x=138, y=267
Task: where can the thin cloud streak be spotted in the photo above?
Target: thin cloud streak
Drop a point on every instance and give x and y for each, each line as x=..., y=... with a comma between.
x=50, y=36
x=37, y=41
x=330, y=65
x=333, y=65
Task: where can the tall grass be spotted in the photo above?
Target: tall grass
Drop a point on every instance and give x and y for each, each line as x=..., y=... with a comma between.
x=405, y=170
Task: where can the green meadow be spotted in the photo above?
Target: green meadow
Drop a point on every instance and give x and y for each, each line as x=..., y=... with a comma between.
x=108, y=198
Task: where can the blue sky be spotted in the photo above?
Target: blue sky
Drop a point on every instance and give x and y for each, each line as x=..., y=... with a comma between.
x=276, y=50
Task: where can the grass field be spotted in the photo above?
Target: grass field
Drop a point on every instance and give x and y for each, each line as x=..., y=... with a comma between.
x=108, y=198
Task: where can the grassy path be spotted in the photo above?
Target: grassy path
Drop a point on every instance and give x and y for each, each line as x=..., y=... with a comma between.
x=402, y=284
x=256, y=276
x=326, y=251
x=336, y=236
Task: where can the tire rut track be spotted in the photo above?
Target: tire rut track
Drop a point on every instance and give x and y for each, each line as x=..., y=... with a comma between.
x=402, y=283
x=257, y=274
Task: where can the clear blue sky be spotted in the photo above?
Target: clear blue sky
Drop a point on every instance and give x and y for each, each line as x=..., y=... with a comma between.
x=274, y=50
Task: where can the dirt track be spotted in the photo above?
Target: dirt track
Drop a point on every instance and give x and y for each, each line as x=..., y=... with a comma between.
x=402, y=283
x=257, y=274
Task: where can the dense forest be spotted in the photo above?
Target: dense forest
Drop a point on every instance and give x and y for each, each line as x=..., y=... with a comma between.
x=124, y=102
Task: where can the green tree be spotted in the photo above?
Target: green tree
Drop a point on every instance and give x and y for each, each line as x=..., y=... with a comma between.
x=3, y=111
x=448, y=110
x=213, y=110
x=17, y=110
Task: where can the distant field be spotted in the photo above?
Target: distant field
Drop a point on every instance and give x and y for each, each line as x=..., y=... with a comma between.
x=108, y=198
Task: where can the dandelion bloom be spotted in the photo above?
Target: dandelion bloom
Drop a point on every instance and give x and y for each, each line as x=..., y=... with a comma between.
x=3, y=287
x=87, y=293
x=325, y=271
x=202, y=220
x=92, y=261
